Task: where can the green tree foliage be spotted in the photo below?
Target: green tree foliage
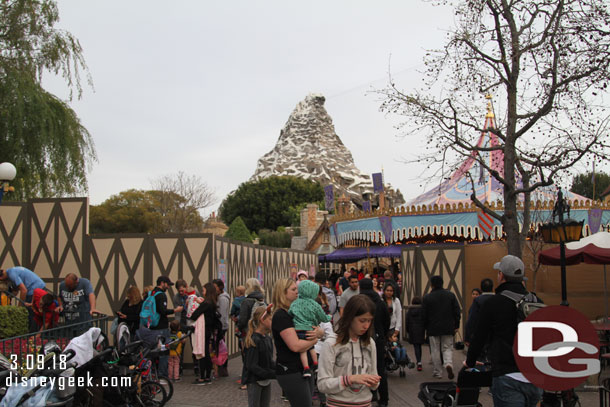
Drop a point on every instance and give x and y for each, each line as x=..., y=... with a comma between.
x=129, y=211
x=582, y=184
x=136, y=211
x=278, y=238
x=39, y=133
x=269, y=202
x=238, y=231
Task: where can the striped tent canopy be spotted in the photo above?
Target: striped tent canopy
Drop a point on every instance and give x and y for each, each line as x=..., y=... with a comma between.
x=447, y=209
x=464, y=225
x=459, y=187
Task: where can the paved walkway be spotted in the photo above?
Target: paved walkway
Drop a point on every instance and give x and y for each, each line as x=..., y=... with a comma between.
x=403, y=390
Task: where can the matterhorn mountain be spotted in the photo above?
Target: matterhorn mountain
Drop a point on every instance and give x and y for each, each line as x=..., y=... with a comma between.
x=308, y=147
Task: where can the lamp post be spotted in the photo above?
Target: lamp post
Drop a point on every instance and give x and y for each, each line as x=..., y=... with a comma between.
x=7, y=174
x=562, y=231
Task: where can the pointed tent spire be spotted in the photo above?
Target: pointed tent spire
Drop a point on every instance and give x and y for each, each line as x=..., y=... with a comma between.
x=458, y=188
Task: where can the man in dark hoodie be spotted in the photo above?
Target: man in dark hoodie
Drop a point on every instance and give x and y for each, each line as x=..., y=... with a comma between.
x=497, y=324
x=382, y=326
x=442, y=318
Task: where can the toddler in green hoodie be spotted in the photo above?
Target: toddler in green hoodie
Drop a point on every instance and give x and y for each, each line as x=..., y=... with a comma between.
x=307, y=315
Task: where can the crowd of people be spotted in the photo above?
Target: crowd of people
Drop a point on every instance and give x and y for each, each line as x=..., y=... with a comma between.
x=341, y=357
x=330, y=337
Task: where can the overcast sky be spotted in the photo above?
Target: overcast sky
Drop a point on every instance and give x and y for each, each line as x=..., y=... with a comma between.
x=205, y=87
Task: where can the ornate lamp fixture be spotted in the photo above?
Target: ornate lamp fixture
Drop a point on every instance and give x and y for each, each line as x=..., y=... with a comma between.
x=7, y=174
x=561, y=232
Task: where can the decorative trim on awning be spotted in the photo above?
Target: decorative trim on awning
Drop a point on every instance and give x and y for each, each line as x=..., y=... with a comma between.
x=462, y=224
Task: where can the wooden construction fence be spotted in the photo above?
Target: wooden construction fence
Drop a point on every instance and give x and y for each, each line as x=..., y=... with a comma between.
x=50, y=237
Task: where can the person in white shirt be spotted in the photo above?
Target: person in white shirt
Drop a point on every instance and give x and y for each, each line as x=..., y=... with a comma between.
x=349, y=293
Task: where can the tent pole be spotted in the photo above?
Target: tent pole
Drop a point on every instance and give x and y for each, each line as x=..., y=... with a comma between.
x=605, y=293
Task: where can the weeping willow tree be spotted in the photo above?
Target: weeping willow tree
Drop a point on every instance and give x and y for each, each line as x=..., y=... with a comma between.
x=39, y=133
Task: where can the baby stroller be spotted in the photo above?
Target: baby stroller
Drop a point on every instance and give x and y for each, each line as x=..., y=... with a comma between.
x=392, y=364
x=34, y=388
x=464, y=393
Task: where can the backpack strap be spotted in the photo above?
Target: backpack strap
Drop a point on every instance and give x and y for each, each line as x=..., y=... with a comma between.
x=516, y=297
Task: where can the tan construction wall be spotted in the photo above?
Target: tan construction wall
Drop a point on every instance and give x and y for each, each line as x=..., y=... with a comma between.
x=50, y=237
x=464, y=266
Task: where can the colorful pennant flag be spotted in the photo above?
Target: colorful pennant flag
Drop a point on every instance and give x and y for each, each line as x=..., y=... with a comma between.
x=595, y=220
x=486, y=224
x=366, y=206
x=329, y=197
x=377, y=182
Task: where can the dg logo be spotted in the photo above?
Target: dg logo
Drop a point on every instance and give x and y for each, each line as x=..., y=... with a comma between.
x=556, y=348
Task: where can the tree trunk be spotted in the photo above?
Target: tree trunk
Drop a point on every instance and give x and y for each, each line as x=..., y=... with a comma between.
x=511, y=220
x=511, y=228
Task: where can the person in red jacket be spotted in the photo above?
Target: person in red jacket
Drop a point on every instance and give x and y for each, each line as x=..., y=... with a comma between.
x=43, y=306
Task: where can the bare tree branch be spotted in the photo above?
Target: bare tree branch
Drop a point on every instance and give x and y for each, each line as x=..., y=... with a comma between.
x=547, y=62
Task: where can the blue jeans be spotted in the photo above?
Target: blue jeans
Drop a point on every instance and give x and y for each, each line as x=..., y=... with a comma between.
x=508, y=392
x=163, y=359
x=400, y=354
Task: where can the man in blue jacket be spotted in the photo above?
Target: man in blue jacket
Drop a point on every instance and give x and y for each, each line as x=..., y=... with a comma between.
x=25, y=281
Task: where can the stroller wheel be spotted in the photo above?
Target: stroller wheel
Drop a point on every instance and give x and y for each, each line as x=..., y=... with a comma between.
x=411, y=365
x=152, y=394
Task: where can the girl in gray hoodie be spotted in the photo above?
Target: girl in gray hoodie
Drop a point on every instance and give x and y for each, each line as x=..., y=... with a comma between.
x=348, y=363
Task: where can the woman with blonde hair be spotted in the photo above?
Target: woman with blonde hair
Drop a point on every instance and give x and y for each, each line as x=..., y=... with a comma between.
x=260, y=368
x=297, y=389
x=254, y=293
x=130, y=310
x=146, y=290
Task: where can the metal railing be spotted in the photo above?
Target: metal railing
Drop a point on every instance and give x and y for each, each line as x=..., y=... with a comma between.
x=17, y=348
x=12, y=297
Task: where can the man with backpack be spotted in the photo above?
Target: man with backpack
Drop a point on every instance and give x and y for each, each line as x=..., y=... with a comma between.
x=497, y=324
x=154, y=315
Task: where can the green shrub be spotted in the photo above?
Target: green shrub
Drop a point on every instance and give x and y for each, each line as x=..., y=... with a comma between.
x=238, y=231
x=275, y=239
x=13, y=321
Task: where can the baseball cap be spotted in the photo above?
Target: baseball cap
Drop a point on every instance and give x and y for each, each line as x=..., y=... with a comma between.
x=511, y=266
x=164, y=279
